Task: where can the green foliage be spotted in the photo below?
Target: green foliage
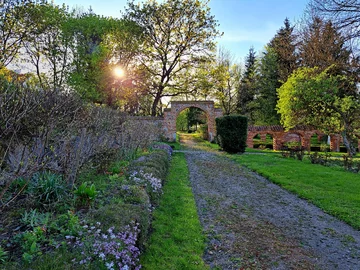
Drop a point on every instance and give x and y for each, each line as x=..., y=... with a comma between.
x=135, y=194
x=190, y=118
x=317, y=158
x=177, y=46
x=66, y=224
x=15, y=28
x=33, y=218
x=30, y=242
x=313, y=97
x=267, y=82
x=177, y=241
x=3, y=255
x=48, y=189
x=182, y=121
x=284, y=46
x=109, y=216
x=232, y=133
x=85, y=195
x=220, y=80
x=247, y=87
x=98, y=39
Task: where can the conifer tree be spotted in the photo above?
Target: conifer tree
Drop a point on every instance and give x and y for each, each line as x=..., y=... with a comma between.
x=284, y=46
x=323, y=46
x=277, y=63
x=247, y=87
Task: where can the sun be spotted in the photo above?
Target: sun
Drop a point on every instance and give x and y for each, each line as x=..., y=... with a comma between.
x=119, y=72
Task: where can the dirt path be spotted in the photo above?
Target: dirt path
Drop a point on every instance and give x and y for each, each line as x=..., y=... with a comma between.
x=253, y=224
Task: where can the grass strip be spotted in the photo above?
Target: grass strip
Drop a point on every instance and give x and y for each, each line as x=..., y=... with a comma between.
x=332, y=189
x=177, y=241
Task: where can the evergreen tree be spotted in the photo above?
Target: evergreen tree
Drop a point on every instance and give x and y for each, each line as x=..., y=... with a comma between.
x=267, y=83
x=247, y=87
x=284, y=46
x=278, y=61
x=323, y=46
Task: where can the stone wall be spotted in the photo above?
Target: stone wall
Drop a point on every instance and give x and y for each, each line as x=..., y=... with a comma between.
x=154, y=124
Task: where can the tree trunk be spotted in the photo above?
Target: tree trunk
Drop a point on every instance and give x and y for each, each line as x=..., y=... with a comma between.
x=351, y=149
x=155, y=104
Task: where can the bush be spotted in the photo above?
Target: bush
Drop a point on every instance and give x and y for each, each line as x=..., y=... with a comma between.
x=232, y=133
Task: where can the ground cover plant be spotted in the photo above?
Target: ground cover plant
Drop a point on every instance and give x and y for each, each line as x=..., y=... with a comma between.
x=177, y=241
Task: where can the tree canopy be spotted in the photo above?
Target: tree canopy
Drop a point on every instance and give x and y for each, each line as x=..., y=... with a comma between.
x=314, y=97
x=179, y=35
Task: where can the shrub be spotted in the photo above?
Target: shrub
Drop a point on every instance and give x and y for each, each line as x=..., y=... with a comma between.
x=317, y=158
x=163, y=146
x=135, y=194
x=232, y=133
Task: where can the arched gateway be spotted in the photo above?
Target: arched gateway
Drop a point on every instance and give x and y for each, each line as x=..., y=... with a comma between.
x=172, y=113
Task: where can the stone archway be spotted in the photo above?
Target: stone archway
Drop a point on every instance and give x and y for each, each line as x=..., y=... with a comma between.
x=172, y=113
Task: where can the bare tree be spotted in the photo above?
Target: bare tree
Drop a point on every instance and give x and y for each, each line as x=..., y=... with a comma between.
x=345, y=14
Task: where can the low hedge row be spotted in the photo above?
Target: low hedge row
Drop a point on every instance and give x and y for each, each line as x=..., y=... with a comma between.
x=139, y=193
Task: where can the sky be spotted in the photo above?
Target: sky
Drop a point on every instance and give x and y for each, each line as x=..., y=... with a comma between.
x=245, y=23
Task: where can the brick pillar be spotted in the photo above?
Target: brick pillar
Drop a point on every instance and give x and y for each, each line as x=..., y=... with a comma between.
x=277, y=143
x=211, y=125
x=335, y=143
x=249, y=140
x=305, y=142
x=263, y=137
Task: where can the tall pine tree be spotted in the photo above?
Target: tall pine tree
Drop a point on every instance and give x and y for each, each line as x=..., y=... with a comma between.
x=247, y=87
x=267, y=83
x=284, y=46
x=278, y=61
x=323, y=46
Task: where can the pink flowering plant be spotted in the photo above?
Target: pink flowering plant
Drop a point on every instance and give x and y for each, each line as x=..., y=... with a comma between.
x=114, y=250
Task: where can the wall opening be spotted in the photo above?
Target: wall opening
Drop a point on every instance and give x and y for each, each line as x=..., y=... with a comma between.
x=193, y=120
x=319, y=142
x=263, y=141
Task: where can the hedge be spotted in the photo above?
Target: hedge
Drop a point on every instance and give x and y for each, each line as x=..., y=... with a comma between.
x=231, y=133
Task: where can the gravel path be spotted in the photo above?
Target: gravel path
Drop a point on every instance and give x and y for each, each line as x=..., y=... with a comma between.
x=253, y=224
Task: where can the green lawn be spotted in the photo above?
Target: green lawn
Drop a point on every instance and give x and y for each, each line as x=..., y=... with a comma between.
x=177, y=241
x=334, y=190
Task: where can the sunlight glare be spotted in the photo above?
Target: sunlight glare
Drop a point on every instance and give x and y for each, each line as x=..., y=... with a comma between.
x=119, y=72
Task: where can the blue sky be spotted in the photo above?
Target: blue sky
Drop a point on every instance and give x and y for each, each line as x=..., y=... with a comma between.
x=245, y=23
